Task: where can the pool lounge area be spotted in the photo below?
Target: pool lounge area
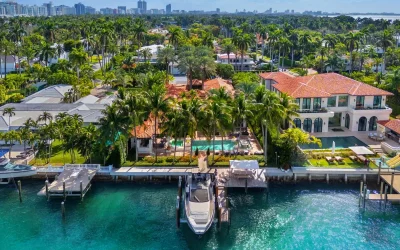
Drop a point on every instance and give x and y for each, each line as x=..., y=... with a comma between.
x=340, y=143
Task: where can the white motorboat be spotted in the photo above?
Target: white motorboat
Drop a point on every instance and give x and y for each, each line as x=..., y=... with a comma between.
x=8, y=170
x=199, y=202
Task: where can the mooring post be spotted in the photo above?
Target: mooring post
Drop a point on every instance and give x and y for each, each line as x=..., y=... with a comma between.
x=178, y=212
x=180, y=186
x=381, y=190
x=63, y=209
x=386, y=188
x=64, y=194
x=391, y=183
x=327, y=178
x=345, y=178
x=365, y=195
x=365, y=178
x=309, y=178
x=19, y=191
x=294, y=177
x=361, y=191
x=379, y=172
x=47, y=189
x=219, y=215
x=81, y=189
x=245, y=186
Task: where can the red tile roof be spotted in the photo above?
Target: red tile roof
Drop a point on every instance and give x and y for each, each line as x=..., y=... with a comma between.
x=391, y=124
x=218, y=83
x=321, y=85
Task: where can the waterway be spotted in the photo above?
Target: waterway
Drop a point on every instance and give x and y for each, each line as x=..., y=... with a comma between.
x=137, y=216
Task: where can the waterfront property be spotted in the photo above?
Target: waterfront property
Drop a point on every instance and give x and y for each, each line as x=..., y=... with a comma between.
x=236, y=61
x=331, y=100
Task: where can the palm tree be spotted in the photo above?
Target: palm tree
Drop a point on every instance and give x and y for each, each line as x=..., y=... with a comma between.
x=86, y=141
x=206, y=63
x=305, y=39
x=330, y=41
x=10, y=112
x=241, y=112
x=46, y=52
x=187, y=63
x=46, y=116
x=385, y=41
x=352, y=41
x=242, y=42
x=10, y=137
x=157, y=106
x=77, y=57
x=139, y=29
x=194, y=117
x=7, y=47
x=333, y=62
x=146, y=53
x=175, y=35
x=174, y=125
x=166, y=56
x=228, y=47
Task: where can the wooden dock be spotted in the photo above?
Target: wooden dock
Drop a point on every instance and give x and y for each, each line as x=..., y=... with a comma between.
x=223, y=204
x=393, y=180
x=226, y=179
x=70, y=182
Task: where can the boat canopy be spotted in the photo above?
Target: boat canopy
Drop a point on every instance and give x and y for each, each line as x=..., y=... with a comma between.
x=245, y=164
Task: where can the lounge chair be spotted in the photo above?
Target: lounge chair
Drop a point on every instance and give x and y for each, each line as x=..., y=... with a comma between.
x=339, y=159
x=353, y=158
x=371, y=135
x=361, y=158
x=329, y=159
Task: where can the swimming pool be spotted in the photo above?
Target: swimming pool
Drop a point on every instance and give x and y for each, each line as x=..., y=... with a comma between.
x=340, y=142
x=3, y=152
x=204, y=145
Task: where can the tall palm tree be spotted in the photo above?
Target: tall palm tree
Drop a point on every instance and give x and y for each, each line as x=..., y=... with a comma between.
x=385, y=41
x=77, y=57
x=10, y=137
x=173, y=125
x=46, y=52
x=242, y=42
x=330, y=41
x=175, y=35
x=305, y=40
x=139, y=29
x=157, y=106
x=166, y=56
x=352, y=41
x=188, y=62
x=228, y=47
x=46, y=116
x=242, y=110
x=10, y=112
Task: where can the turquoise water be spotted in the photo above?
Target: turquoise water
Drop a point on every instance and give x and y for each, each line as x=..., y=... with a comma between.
x=204, y=145
x=133, y=216
x=340, y=142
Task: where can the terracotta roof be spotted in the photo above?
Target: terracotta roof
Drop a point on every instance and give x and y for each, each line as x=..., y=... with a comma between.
x=174, y=90
x=321, y=85
x=218, y=83
x=391, y=124
x=146, y=130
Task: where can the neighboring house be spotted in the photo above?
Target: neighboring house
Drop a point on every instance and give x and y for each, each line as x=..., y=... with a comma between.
x=50, y=100
x=153, y=50
x=236, y=62
x=331, y=101
x=144, y=137
x=11, y=63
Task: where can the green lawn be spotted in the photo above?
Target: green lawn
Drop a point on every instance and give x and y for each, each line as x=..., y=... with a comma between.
x=58, y=157
x=347, y=163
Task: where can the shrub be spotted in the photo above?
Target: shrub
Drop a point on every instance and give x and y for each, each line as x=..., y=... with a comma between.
x=196, y=152
x=169, y=159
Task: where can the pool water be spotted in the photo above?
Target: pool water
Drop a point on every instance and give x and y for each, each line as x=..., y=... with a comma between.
x=138, y=216
x=340, y=142
x=204, y=145
x=3, y=152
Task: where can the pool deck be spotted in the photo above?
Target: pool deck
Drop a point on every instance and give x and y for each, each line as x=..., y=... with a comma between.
x=362, y=136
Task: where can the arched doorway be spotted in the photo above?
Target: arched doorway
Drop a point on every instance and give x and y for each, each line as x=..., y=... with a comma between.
x=307, y=125
x=317, y=125
x=347, y=121
x=297, y=123
x=372, y=123
x=362, y=124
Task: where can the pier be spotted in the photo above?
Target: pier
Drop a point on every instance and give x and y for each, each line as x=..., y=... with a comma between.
x=71, y=182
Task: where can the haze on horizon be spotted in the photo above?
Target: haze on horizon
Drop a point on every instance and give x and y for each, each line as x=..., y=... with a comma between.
x=341, y=6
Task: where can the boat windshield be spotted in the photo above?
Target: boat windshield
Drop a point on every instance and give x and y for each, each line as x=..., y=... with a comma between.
x=199, y=195
x=12, y=167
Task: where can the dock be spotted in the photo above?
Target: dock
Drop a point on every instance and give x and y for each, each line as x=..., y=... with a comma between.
x=71, y=182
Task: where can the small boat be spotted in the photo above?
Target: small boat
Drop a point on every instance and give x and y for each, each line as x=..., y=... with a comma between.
x=8, y=170
x=199, y=202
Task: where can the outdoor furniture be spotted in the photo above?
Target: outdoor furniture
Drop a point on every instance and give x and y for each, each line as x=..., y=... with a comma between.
x=361, y=158
x=353, y=158
x=329, y=159
x=339, y=159
x=246, y=152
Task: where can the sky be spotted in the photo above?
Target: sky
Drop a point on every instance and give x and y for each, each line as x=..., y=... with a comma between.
x=342, y=6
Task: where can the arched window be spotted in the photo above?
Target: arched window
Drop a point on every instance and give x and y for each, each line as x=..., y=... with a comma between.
x=297, y=123
x=307, y=125
x=362, y=124
x=317, y=125
x=372, y=123
x=347, y=121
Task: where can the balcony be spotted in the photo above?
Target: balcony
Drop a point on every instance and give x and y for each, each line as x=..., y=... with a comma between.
x=370, y=108
x=306, y=111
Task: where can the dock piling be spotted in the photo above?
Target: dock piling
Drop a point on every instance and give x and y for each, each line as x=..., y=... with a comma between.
x=245, y=186
x=365, y=195
x=309, y=178
x=47, y=189
x=19, y=191
x=63, y=209
x=379, y=172
x=219, y=215
x=381, y=190
x=294, y=178
x=386, y=188
x=327, y=178
x=64, y=193
x=180, y=186
x=178, y=212
x=81, y=190
x=361, y=191
x=391, y=183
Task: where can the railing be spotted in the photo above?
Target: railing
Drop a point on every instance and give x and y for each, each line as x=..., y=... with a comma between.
x=51, y=169
x=370, y=108
x=313, y=111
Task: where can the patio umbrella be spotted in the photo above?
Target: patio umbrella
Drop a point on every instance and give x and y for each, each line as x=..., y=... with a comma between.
x=333, y=147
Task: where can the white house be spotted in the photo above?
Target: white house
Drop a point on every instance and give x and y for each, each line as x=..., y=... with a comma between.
x=11, y=63
x=331, y=101
x=236, y=61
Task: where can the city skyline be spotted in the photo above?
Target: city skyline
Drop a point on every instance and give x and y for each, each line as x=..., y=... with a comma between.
x=342, y=6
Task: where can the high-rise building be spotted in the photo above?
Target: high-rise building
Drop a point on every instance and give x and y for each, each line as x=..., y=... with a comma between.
x=142, y=6
x=218, y=10
x=90, y=10
x=122, y=10
x=80, y=9
x=49, y=7
x=168, y=9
